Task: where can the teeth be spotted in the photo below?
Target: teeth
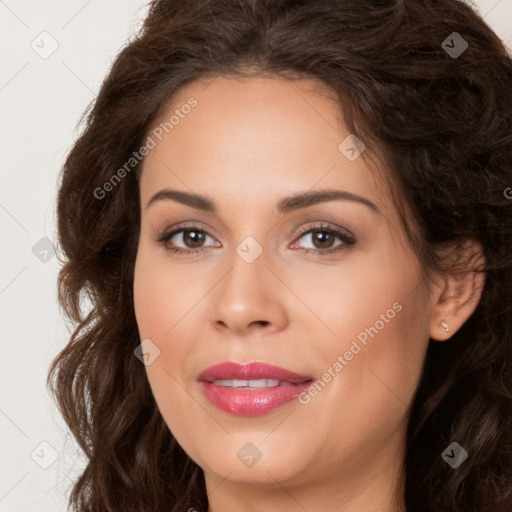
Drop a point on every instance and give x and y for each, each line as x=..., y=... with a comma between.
x=263, y=383
x=255, y=383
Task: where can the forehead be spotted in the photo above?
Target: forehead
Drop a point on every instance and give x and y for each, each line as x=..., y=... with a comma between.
x=254, y=136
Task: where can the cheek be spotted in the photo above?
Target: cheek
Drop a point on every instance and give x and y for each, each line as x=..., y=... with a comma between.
x=377, y=299
x=164, y=294
x=167, y=302
x=371, y=370
x=371, y=360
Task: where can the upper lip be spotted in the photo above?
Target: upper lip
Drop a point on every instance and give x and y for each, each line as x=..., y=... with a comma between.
x=250, y=371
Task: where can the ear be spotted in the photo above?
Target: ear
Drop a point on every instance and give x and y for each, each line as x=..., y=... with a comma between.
x=456, y=295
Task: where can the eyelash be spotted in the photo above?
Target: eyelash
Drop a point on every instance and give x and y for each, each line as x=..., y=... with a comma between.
x=348, y=240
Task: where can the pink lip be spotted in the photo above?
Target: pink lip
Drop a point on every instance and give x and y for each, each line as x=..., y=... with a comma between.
x=251, y=402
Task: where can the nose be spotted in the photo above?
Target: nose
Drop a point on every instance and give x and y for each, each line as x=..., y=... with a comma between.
x=249, y=298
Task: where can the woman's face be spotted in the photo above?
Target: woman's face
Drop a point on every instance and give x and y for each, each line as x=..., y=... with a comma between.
x=260, y=280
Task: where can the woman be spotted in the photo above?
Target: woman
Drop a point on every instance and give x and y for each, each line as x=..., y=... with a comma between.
x=292, y=222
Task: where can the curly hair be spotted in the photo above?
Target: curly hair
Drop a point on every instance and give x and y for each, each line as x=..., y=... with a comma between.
x=444, y=125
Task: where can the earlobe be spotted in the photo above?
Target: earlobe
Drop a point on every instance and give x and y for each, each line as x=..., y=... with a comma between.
x=458, y=295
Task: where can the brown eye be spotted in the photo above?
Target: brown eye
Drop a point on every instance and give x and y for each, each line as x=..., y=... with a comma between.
x=185, y=240
x=193, y=238
x=322, y=239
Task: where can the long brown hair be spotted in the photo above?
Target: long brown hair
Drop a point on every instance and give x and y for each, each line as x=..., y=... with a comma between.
x=444, y=122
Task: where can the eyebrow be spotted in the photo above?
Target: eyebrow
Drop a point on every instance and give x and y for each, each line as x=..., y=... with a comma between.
x=286, y=205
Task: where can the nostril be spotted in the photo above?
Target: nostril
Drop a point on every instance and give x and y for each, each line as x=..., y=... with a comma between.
x=263, y=323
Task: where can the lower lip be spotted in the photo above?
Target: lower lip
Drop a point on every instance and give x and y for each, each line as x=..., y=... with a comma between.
x=251, y=402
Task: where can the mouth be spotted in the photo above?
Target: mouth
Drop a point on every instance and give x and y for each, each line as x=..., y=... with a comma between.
x=252, y=384
x=251, y=389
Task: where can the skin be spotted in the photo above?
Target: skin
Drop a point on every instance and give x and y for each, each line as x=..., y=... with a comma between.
x=246, y=145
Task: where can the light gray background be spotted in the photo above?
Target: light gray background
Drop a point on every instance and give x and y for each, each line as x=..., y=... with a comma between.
x=41, y=99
